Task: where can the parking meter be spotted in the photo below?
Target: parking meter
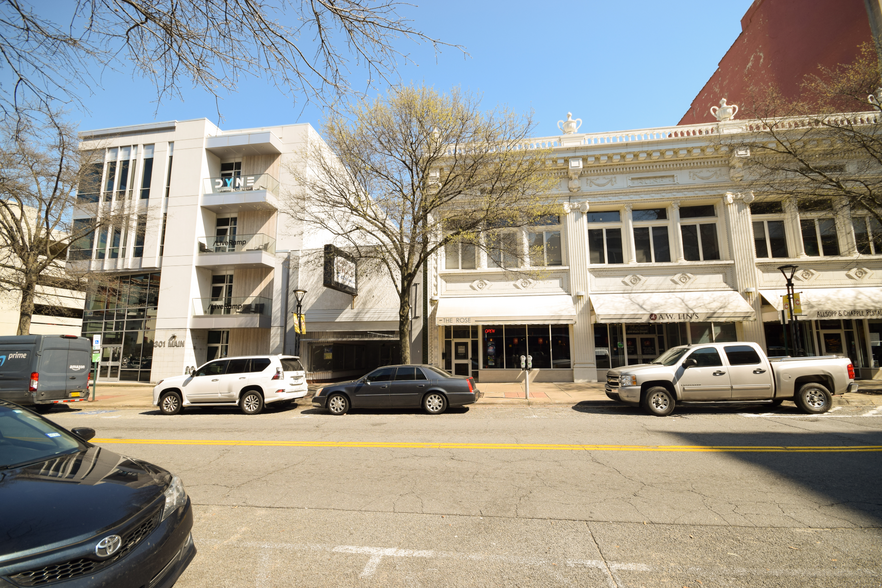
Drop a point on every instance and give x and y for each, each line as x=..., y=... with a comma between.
x=529, y=362
x=523, y=362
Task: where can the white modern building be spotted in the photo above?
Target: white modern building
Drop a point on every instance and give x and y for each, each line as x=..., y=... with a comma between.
x=207, y=261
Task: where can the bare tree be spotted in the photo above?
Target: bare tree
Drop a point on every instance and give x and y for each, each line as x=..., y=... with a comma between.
x=307, y=48
x=824, y=149
x=39, y=175
x=415, y=172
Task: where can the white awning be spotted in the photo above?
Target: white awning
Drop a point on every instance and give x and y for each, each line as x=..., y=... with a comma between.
x=671, y=307
x=832, y=303
x=556, y=309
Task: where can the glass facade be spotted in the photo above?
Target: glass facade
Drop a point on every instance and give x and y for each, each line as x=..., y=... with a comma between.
x=123, y=311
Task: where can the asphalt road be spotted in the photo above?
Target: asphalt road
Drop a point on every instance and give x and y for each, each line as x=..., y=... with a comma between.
x=521, y=496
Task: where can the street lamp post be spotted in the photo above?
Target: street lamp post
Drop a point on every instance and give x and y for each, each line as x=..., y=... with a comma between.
x=298, y=295
x=788, y=271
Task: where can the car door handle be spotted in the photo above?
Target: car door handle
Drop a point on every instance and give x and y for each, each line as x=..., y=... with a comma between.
x=759, y=371
x=215, y=380
x=719, y=373
x=421, y=386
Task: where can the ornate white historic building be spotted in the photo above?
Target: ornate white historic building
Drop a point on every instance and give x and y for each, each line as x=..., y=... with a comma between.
x=659, y=243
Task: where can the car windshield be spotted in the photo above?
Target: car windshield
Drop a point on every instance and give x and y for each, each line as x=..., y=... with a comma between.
x=671, y=356
x=26, y=438
x=438, y=371
x=291, y=364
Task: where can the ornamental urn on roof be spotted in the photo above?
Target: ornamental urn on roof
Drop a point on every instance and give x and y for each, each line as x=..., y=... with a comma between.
x=569, y=126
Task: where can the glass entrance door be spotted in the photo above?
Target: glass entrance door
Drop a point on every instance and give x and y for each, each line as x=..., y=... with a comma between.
x=642, y=348
x=462, y=359
x=108, y=367
x=832, y=342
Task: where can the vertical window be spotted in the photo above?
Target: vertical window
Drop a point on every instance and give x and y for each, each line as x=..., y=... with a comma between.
x=81, y=248
x=110, y=176
x=221, y=294
x=769, y=238
x=147, y=172
x=544, y=243
x=867, y=235
x=171, y=150
x=459, y=255
x=231, y=171
x=415, y=301
x=651, y=235
x=90, y=183
x=819, y=237
x=503, y=248
x=140, y=231
x=102, y=244
x=114, y=243
x=218, y=344
x=699, y=239
x=605, y=242
x=162, y=235
x=225, y=234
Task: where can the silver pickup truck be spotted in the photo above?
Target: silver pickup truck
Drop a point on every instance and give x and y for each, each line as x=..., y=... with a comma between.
x=737, y=372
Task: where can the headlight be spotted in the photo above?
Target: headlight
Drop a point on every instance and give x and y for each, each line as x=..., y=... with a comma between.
x=628, y=380
x=175, y=497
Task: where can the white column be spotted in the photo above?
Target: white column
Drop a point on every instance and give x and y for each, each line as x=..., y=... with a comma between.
x=628, y=227
x=741, y=248
x=678, y=235
x=582, y=342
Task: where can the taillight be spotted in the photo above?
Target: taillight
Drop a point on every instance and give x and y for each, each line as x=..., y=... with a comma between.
x=35, y=381
x=470, y=386
x=851, y=371
x=278, y=375
x=89, y=380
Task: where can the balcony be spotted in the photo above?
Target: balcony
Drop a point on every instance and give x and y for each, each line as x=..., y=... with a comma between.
x=232, y=194
x=237, y=251
x=232, y=313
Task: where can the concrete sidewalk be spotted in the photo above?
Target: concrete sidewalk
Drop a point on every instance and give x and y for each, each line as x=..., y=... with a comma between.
x=140, y=396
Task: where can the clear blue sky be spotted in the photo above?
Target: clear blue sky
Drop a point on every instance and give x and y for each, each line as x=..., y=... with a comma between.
x=616, y=65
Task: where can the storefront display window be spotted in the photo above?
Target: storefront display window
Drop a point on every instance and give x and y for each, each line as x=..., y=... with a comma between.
x=875, y=328
x=503, y=346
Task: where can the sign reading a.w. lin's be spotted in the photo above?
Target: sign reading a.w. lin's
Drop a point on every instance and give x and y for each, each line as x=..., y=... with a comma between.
x=341, y=272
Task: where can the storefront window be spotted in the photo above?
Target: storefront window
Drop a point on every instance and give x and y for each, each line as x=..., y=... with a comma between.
x=493, y=347
x=560, y=347
x=549, y=345
x=875, y=343
x=712, y=332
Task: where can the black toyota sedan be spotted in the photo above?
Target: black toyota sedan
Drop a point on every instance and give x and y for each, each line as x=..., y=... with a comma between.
x=74, y=515
x=400, y=386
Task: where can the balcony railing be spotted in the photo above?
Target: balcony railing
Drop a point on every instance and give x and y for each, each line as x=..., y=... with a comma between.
x=237, y=243
x=232, y=306
x=226, y=185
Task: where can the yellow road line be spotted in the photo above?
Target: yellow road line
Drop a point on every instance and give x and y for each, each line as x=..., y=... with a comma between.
x=509, y=446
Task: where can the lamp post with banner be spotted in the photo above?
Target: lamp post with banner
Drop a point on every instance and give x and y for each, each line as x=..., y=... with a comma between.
x=299, y=323
x=790, y=309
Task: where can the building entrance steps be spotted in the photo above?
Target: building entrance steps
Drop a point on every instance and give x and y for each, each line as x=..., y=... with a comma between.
x=140, y=396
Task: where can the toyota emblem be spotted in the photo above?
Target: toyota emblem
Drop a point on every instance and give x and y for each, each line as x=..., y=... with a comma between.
x=108, y=546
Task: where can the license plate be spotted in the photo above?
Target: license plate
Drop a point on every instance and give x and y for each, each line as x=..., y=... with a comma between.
x=74, y=394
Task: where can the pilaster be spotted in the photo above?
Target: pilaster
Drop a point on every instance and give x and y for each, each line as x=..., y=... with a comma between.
x=582, y=342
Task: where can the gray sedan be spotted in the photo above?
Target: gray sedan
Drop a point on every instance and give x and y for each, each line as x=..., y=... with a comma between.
x=400, y=386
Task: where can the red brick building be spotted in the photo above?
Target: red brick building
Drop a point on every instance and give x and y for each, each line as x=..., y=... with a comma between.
x=780, y=42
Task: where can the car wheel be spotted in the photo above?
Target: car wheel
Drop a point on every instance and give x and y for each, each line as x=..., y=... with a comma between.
x=170, y=403
x=659, y=401
x=251, y=402
x=813, y=398
x=338, y=404
x=434, y=403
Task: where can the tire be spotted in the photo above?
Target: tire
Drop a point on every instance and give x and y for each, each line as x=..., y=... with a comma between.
x=338, y=404
x=170, y=403
x=434, y=403
x=251, y=402
x=659, y=401
x=813, y=398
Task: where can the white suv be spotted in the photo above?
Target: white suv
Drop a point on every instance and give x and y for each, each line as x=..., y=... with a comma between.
x=250, y=382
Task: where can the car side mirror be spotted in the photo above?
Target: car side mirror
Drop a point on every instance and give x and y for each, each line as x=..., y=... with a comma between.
x=84, y=433
x=691, y=362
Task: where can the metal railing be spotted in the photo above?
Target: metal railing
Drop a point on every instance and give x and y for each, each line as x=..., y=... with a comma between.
x=231, y=306
x=237, y=243
x=227, y=184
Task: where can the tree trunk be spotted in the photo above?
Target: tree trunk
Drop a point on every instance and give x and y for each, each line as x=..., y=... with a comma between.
x=28, y=293
x=404, y=327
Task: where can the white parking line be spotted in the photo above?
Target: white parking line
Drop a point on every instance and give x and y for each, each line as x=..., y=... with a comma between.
x=376, y=555
x=875, y=412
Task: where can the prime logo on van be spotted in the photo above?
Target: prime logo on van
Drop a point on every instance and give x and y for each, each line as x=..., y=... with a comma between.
x=13, y=355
